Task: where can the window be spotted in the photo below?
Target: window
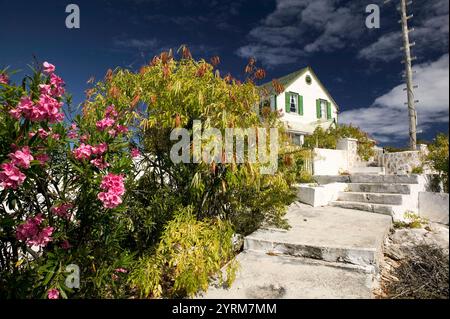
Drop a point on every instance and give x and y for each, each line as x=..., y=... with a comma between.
x=293, y=103
x=323, y=109
x=273, y=102
x=297, y=139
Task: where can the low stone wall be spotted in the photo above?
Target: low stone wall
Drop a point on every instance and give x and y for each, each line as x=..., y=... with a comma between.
x=402, y=162
x=434, y=207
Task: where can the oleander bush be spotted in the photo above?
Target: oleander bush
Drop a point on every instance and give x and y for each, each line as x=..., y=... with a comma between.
x=96, y=187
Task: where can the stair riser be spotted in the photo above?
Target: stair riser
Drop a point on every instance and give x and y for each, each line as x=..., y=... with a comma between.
x=373, y=208
x=364, y=258
x=394, y=179
x=373, y=198
x=380, y=188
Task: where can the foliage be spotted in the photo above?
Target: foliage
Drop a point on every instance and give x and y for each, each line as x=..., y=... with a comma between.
x=417, y=170
x=437, y=157
x=411, y=220
x=173, y=93
x=328, y=139
x=189, y=253
x=78, y=192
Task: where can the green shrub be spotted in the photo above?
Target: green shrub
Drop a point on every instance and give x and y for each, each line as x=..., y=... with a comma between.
x=437, y=158
x=328, y=139
x=189, y=253
x=417, y=170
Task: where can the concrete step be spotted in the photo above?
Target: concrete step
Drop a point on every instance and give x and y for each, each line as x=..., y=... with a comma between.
x=375, y=198
x=262, y=276
x=369, y=207
x=379, y=188
x=367, y=170
x=390, y=179
x=330, y=234
x=360, y=178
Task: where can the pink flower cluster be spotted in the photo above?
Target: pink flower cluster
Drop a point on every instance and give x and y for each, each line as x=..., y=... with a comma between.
x=33, y=234
x=109, y=121
x=114, y=187
x=53, y=294
x=62, y=210
x=135, y=152
x=10, y=175
x=48, y=107
x=4, y=79
x=85, y=151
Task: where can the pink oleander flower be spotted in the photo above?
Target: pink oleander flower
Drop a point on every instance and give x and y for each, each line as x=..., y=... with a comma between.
x=29, y=228
x=62, y=210
x=21, y=158
x=31, y=134
x=121, y=129
x=84, y=138
x=114, y=186
x=56, y=81
x=4, y=79
x=32, y=233
x=109, y=199
x=15, y=113
x=105, y=123
x=42, y=238
x=135, y=153
x=112, y=133
x=53, y=294
x=42, y=133
x=73, y=127
x=99, y=163
x=42, y=158
x=121, y=270
x=45, y=89
x=66, y=245
x=113, y=182
x=48, y=67
x=82, y=152
x=99, y=149
x=11, y=176
x=48, y=108
x=111, y=111
x=72, y=134
x=56, y=136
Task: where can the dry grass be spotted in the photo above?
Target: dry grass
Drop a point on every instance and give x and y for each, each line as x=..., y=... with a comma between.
x=422, y=274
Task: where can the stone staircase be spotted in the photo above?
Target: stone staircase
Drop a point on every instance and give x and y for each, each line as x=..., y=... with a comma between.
x=329, y=252
x=383, y=194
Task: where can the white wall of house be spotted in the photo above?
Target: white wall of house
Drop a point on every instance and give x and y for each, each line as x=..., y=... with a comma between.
x=310, y=92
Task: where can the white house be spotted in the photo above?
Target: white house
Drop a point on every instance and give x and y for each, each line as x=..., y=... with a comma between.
x=304, y=104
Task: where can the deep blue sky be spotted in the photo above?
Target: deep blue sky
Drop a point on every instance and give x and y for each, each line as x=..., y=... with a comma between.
x=360, y=67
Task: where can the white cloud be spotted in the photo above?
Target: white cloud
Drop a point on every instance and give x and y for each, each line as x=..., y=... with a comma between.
x=302, y=27
x=387, y=118
x=431, y=33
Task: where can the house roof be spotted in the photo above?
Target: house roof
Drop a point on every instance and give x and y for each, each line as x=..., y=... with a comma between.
x=291, y=77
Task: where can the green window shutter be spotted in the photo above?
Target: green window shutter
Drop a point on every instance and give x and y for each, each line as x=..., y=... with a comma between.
x=329, y=110
x=288, y=102
x=275, y=104
x=318, y=111
x=300, y=104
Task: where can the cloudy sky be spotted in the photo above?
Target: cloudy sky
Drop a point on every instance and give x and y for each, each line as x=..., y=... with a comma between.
x=360, y=66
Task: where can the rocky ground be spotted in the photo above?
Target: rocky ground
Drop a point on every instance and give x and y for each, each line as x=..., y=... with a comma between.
x=415, y=263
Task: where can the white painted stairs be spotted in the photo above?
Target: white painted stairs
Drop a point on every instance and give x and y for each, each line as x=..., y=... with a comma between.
x=391, y=195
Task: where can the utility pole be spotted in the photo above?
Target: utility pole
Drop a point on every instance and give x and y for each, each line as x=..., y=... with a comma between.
x=407, y=60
